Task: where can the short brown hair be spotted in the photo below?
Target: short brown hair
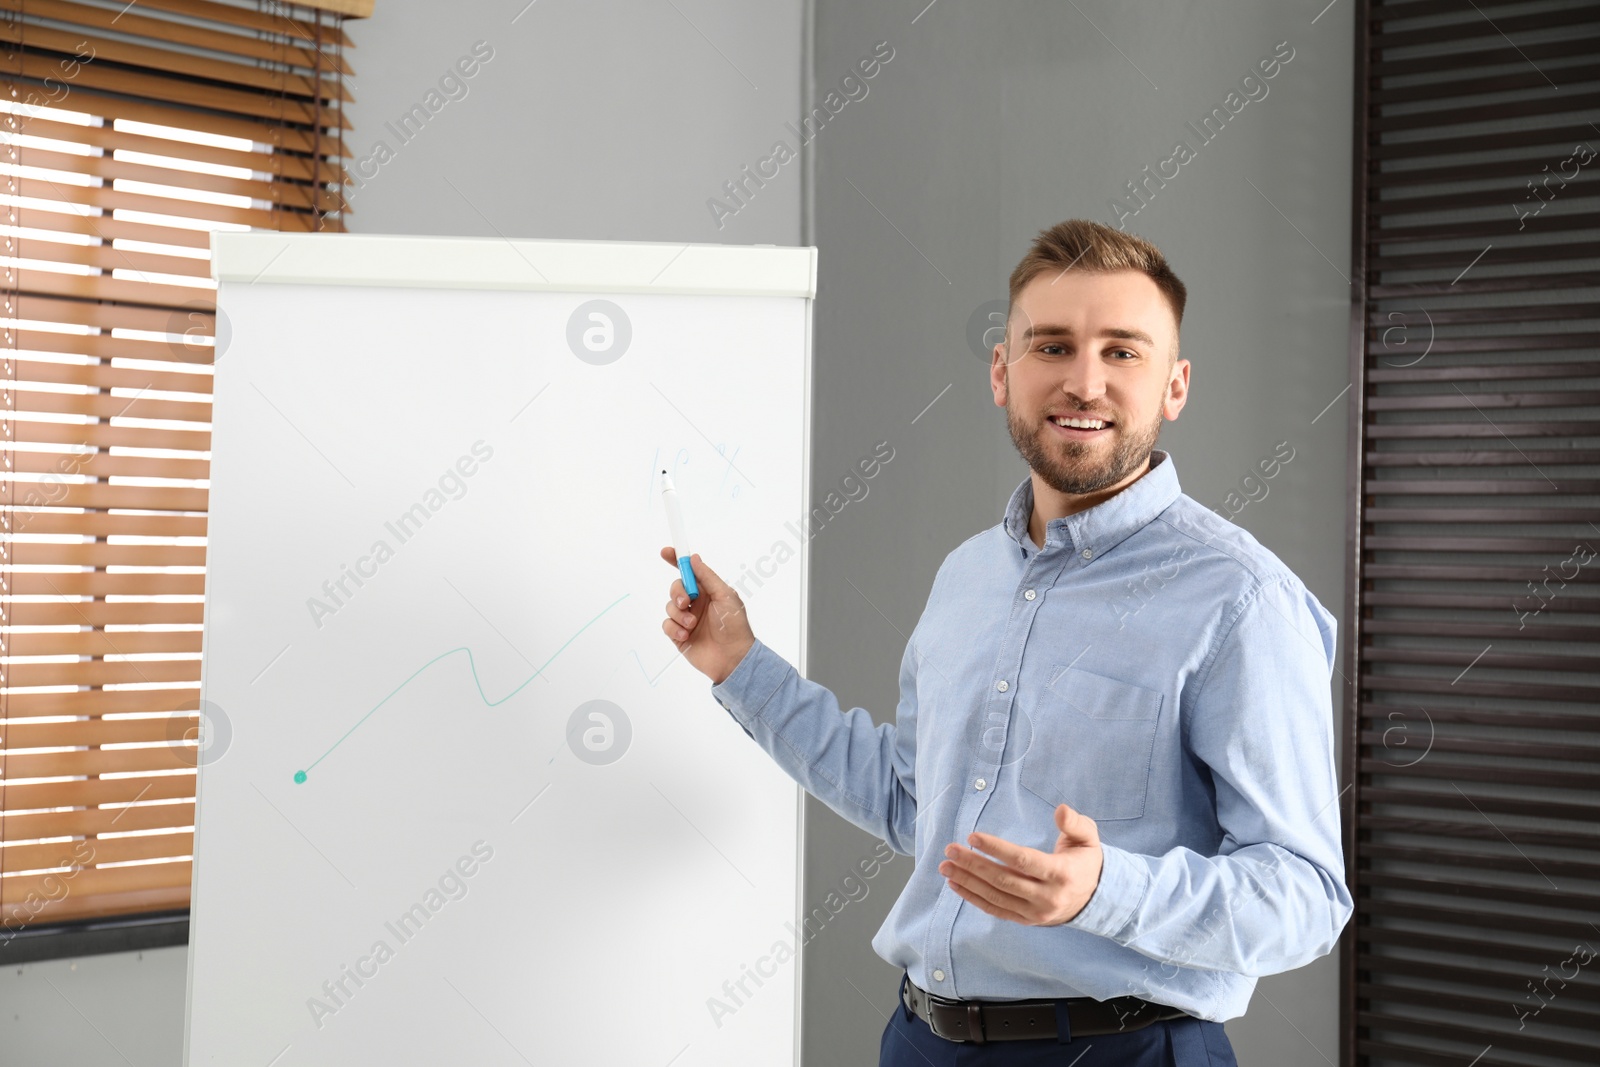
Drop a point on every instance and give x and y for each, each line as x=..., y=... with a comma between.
x=1079, y=244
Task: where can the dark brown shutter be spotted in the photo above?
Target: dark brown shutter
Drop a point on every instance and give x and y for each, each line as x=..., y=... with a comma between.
x=1473, y=756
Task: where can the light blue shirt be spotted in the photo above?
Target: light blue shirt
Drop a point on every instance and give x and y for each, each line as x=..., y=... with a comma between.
x=1155, y=667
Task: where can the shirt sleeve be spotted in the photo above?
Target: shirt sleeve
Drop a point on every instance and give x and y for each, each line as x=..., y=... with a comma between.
x=864, y=771
x=1274, y=897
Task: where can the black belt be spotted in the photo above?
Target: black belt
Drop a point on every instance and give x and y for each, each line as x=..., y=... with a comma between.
x=981, y=1021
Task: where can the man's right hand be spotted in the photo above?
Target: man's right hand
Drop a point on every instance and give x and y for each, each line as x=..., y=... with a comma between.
x=715, y=645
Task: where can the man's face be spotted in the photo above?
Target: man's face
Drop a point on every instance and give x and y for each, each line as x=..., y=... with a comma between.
x=1093, y=346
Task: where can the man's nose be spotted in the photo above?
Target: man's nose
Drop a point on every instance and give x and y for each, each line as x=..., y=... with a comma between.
x=1084, y=379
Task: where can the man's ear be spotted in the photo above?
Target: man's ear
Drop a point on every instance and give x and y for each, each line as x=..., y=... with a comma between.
x=1177, y=392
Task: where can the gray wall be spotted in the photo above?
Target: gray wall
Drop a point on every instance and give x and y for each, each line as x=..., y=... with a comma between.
x=987, y=125
x=614, y=121
x=97, y=1011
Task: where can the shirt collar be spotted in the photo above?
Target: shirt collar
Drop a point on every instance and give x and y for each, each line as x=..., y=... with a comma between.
x=1104, y=526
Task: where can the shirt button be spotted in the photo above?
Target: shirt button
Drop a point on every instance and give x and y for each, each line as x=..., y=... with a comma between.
x=980, y=783
x=1001, y=685
x=938, y=975
x=1088, y=553
x=1028, y=595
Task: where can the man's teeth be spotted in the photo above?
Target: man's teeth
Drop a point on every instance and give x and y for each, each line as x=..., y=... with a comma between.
x=1081, y=424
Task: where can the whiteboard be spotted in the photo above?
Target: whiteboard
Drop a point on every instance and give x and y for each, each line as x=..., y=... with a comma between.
x=459, y=798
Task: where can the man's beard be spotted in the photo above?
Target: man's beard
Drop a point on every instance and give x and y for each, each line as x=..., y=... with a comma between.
x=1069, y=466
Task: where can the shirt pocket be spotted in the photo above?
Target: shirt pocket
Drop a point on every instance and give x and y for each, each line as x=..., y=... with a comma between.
x=1091, y=745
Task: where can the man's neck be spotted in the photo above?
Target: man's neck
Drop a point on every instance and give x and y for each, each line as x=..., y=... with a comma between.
x=1048, y=504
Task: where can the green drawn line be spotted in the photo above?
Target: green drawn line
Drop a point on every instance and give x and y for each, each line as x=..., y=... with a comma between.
x=300, y=776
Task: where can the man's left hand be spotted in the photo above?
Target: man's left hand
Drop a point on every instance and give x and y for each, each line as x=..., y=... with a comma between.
x=1029, y=886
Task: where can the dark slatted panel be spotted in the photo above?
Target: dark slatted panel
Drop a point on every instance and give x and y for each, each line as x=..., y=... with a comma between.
x=1472, y=758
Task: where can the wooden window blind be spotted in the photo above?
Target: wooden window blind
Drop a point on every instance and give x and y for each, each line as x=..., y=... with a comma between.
x=127, y=133
x=1472, y=759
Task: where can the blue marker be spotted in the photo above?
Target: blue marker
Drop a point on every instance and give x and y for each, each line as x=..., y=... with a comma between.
x=680, y=542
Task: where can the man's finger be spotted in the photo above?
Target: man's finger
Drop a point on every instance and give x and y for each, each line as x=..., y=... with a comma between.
x=1076, y=827
x=984, y=905
x=1018, y=857
x=988, y=891
x=995, y=874
x=669, y=628
x=708, y=577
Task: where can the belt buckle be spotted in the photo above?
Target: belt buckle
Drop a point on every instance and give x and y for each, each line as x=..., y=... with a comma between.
x=974, y=1024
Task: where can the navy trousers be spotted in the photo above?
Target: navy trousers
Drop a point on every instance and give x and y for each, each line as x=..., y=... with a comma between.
x=909, y=1042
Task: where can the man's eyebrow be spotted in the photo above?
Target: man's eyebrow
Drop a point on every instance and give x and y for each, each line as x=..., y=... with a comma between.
x=1121, y=333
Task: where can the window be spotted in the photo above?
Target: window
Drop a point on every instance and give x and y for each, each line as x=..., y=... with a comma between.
x=127, y=133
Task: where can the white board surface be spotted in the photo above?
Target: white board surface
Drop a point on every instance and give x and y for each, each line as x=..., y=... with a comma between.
x=432, y=558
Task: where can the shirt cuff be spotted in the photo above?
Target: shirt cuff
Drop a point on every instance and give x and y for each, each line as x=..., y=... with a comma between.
x=747, y=689
x=1124, y=881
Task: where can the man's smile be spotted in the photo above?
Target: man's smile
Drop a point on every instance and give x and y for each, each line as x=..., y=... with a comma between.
x=1078, y=428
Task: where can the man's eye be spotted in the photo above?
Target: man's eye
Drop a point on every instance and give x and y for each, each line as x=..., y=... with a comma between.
x=1127, y=352
x=1046, y=349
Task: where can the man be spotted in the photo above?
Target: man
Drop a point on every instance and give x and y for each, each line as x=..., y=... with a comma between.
x=1113, y=753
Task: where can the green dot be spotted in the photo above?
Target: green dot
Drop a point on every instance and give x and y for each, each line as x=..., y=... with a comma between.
x=299, y=777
